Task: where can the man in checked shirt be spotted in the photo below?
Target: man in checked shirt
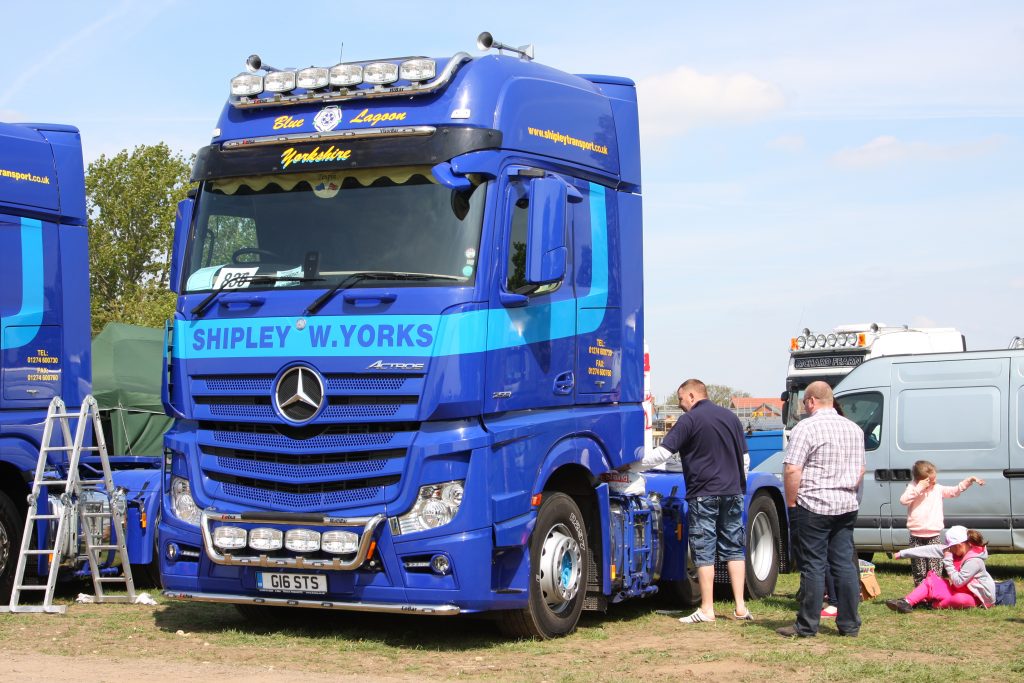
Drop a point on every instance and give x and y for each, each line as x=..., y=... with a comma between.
x=824, y=466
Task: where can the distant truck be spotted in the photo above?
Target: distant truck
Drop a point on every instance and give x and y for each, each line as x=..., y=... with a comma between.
x=962, y=411
x=833, y=355
x=405, y=351
x=44, y=314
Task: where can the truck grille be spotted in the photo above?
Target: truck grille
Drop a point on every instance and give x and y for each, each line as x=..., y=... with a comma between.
x=354, y=453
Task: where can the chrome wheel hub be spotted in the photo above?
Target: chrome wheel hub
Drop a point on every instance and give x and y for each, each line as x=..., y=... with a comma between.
x=560, y=568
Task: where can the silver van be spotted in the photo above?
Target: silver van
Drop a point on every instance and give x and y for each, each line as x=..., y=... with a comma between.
x=963, y=412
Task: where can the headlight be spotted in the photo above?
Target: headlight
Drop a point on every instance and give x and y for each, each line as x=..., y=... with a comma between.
x=246, y=85
x=279, y=81
x=831, y=340
x=302, y=540
x=184, y=507
x=340, y=542
x=821, y=340
x=801, y=342
x=435, y=506
x=346, y=75
x=380, y=73
x=266, y=539
x=312, y=78
x=229, y=537
x=811, y=342
x=418, y=70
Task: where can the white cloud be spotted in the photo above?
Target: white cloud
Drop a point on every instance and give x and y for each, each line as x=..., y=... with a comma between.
x=1017, y=283
x=886, y=150
x=670, y=103
x=923, y=321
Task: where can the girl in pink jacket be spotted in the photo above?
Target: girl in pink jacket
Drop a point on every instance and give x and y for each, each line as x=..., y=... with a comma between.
x=925, y=522
x=969, y=583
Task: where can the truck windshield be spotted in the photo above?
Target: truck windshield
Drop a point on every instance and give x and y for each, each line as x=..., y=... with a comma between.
x=313, y=230
x=795, y=407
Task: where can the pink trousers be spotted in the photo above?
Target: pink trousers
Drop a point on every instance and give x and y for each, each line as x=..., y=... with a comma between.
x=942, y=594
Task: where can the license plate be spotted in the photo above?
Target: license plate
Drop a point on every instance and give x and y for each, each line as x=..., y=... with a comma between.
x=278, y=582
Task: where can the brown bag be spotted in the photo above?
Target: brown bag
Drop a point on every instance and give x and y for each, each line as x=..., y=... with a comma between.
x=869, y=587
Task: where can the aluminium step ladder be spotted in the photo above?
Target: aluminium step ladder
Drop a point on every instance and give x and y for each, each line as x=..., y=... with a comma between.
x=71, y=492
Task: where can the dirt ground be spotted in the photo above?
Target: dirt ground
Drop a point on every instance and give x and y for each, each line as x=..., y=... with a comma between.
x=185, y=642
x=180, y=643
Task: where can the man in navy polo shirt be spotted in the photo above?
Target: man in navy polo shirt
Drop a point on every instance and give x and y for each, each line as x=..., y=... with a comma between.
x=713, y=452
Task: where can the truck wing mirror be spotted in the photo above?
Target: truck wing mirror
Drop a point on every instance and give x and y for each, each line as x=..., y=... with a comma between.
x=546, y=252
x=182, y=224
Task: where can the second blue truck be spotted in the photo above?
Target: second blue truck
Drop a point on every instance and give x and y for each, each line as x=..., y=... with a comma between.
x=408, y=343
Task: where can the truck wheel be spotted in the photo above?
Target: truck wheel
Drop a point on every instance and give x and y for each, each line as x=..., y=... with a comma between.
x=762, y=547
x=10, y=546
x=558, y=573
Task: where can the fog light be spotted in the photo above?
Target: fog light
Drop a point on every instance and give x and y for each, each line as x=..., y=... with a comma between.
x=380, y=73
x=229, y=537
x=302, y=540
x=440, y=564
x=266, y=539
x=172, y=551
x=340, y=542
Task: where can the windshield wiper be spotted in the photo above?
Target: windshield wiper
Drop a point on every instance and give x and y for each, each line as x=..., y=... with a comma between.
x=258, y=279
x=352, y=278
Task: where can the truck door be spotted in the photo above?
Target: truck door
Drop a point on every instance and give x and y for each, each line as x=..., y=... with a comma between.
x=531, y=331
x=1015, y=473
x=867, y=409
x=953, y=413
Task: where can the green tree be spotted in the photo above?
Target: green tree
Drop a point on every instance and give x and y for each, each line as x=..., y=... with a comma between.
x=132, y=198
x=721, y=394
x=717, y=393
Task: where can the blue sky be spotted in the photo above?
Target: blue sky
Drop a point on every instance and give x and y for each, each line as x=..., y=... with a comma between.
x=805, y=163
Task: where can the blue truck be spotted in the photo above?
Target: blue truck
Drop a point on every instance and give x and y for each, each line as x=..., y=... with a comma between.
x=44, y=333
x=408, y=343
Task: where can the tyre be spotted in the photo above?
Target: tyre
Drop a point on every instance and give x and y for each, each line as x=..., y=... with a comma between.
x=558, y=573
x=11, y=526
x=762, y=547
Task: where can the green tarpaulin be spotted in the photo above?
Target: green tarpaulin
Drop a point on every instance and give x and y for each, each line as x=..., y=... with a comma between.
x=127, y=362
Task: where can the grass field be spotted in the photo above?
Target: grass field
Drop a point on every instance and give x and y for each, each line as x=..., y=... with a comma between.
x=180, y=641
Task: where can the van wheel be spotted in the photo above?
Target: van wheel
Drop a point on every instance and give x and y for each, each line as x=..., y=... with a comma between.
x=10, y=546
x=558, y=573
x=762, y=547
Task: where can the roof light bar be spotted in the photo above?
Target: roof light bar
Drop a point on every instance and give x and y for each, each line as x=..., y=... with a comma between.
x=340, y=82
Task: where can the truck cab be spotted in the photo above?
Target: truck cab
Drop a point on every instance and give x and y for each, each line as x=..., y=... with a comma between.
x=44, y=305
x=409, y=341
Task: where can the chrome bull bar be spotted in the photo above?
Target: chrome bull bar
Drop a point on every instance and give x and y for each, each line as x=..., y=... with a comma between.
x=368, y=524
x=383, y=607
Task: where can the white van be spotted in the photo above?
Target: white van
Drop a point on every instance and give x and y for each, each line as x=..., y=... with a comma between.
x=963, y=412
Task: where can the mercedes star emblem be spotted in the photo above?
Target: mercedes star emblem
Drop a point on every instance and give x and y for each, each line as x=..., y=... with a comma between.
x=299, y=394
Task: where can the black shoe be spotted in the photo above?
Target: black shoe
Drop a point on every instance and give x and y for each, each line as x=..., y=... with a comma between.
x=790, y=632
x=901, y=606
x=924, y=604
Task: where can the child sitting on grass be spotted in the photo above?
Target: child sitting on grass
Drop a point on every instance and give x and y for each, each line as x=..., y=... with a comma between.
x=925, y=522
x=969, y=583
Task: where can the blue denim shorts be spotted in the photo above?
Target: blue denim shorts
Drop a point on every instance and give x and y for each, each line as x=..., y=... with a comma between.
x=716, y=523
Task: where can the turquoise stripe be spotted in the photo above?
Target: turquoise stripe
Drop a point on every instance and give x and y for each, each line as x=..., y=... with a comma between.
x=410, y=336
x=26, y=321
